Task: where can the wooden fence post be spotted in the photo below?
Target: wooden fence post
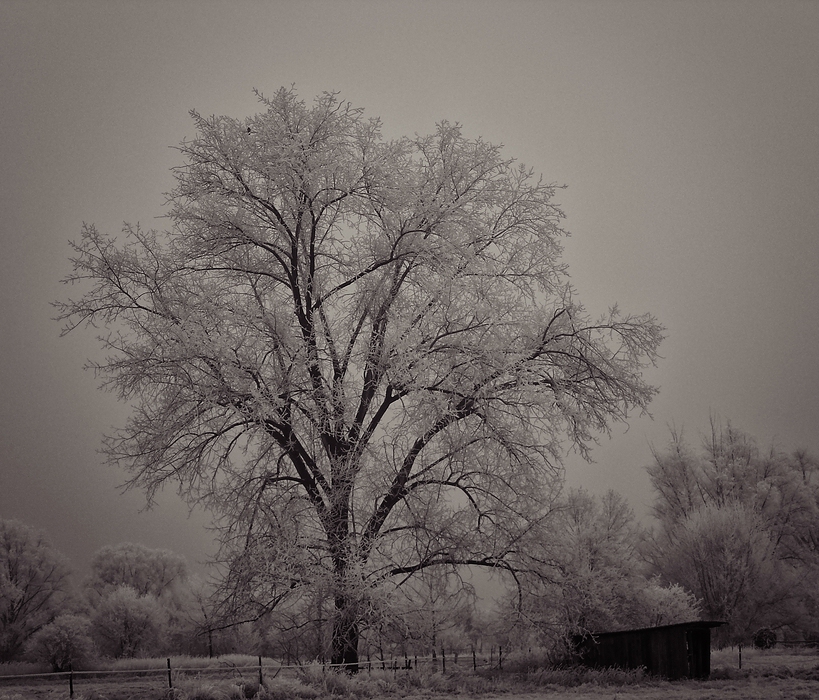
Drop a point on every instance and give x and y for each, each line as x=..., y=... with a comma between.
x=500, y=658
x=474, y=659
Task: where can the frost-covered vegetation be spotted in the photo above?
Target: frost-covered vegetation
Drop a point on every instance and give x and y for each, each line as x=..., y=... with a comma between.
x=366, y=358
x=764, y=674
x=599, y=570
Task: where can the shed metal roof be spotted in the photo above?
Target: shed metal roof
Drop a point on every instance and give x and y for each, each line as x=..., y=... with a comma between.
x=694, y=624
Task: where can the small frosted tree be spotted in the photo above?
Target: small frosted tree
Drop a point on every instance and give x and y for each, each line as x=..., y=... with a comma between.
x=363, y=355
x=33, y=585
x=666, y=604
x=157, y=575
x=63, y=644
x=126, y=624
x=596, y=564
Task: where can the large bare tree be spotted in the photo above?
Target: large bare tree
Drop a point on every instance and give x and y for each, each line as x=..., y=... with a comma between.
x=362, y=354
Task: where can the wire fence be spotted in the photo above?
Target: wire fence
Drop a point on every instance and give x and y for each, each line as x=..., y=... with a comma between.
x=262, y=671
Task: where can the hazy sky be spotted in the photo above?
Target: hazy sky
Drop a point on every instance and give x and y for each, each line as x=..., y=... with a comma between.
x=687, y=133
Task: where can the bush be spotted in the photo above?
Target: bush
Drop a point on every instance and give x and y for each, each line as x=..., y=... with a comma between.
x=63, y=644
x=765, y=638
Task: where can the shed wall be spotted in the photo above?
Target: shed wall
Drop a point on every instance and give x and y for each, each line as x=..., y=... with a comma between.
x=676, y=651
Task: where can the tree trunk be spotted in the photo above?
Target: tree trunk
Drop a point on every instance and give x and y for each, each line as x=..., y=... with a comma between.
x=346, y=628
x=346, y=633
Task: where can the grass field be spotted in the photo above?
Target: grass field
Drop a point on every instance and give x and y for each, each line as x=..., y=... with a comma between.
x=764, y=676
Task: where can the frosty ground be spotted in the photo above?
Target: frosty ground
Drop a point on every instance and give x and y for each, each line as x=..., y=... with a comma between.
x=764, y=675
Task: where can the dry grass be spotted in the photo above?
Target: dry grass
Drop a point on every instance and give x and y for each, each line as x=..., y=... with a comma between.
x=769, y=674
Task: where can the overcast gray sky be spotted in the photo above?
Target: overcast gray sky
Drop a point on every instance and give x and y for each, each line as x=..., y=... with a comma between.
x=687, y=133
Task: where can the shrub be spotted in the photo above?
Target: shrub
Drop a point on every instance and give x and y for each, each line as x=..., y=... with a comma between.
x=63, y=644
x=765, y=638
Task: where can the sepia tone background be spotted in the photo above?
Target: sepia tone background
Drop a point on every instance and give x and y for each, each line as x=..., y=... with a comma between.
x=687, y=133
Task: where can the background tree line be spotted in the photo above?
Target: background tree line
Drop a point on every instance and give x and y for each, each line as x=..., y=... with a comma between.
x=733, y=538
x=738, y=526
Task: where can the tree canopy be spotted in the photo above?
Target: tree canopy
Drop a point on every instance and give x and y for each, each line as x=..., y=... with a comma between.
x=148, y=571
x=739, y=527
x=591, y=578
x=363, y=354
x=33, y=585
x=63, y=644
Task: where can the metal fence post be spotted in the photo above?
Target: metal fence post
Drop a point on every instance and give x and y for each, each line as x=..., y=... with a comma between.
x=70, y=681
x=170, y=681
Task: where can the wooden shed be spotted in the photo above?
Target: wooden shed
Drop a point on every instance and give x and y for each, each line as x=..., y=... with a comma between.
x=673, y=651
